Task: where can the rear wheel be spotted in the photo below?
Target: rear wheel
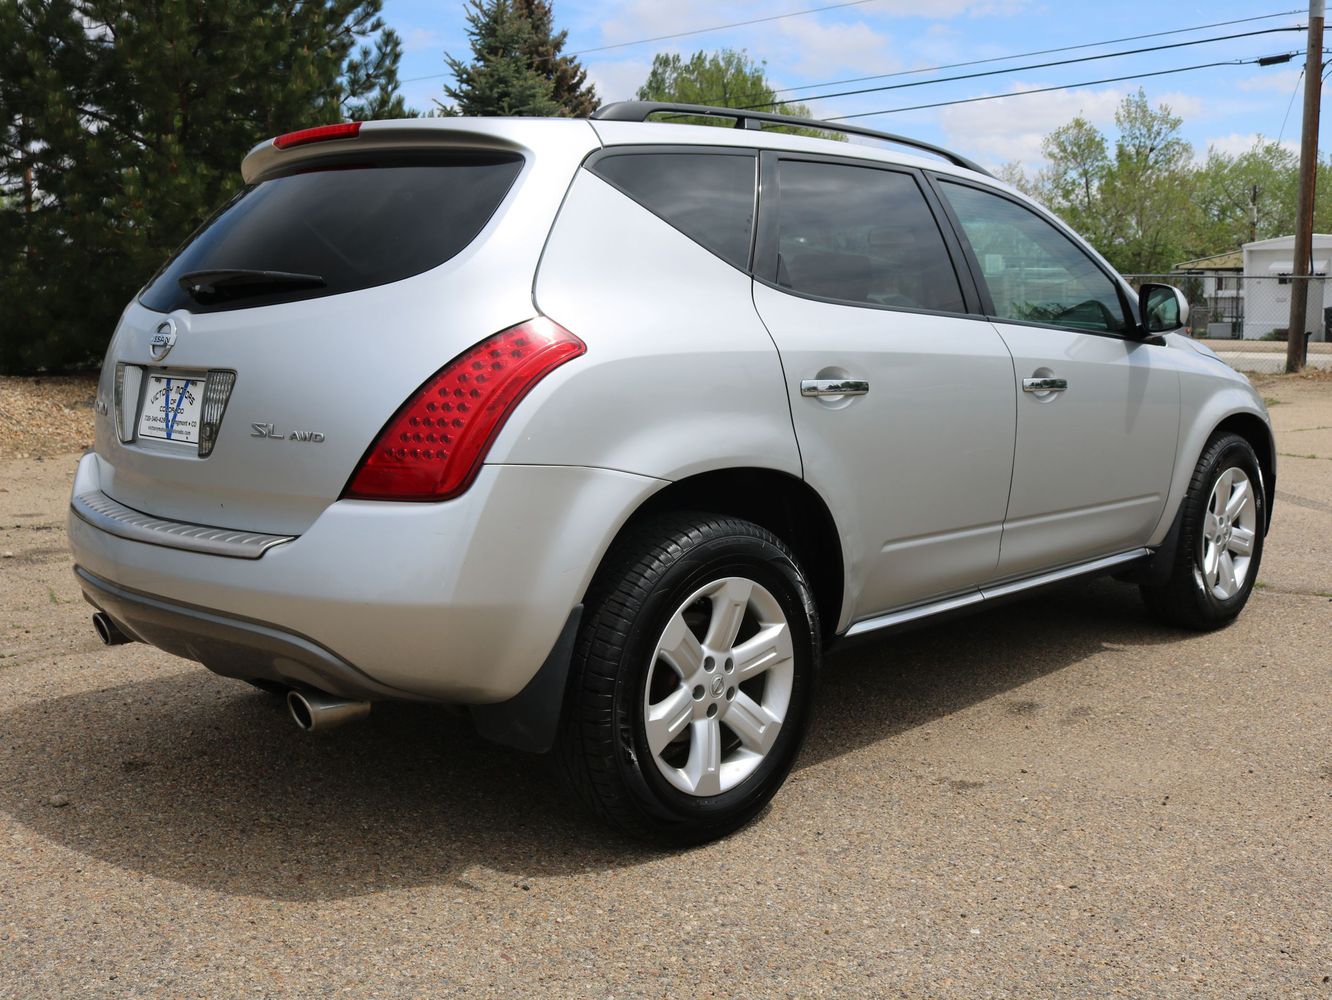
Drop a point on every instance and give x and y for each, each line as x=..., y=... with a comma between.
x=1220, y=542
x=691, y=682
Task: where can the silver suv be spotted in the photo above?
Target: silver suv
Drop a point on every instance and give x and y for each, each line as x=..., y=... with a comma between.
x=607, y=428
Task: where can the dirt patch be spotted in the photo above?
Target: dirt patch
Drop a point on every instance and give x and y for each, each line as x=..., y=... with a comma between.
x=46, y=416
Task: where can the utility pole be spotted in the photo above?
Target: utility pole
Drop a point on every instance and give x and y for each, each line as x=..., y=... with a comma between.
x=1299, y=286
x=1253, y=214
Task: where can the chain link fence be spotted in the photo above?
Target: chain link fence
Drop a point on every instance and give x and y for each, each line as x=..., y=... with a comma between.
x=1246, y=318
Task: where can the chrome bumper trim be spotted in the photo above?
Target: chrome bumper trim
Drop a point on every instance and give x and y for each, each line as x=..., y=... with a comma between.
x=105, y=514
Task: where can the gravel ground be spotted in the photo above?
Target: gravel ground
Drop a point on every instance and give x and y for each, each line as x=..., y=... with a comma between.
x=46, y=416
x=1051, y=799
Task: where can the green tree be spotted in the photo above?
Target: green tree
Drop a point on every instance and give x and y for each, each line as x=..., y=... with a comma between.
x=516, y=66
x=1079, y=163
x=122, y=124
x=1147, y=198
x=370, y=81
x=1245, y=197
x=726, y=79
x=568, y=79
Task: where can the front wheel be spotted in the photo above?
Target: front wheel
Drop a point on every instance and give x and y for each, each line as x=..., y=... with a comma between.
x=1220, y=542
x=691, y=682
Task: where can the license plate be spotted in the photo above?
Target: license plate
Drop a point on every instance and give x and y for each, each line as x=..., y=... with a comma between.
x=172, y=408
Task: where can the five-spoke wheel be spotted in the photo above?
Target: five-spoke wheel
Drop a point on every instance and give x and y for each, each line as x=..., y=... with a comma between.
x=690, y=686
x=1221, y=525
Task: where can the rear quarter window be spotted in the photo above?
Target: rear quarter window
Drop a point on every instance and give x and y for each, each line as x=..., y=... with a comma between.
x=353, y=225
x=707, y=196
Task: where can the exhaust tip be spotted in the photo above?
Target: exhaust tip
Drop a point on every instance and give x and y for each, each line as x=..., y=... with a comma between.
x=314, y=711
x=300, y=710
x=108, y=631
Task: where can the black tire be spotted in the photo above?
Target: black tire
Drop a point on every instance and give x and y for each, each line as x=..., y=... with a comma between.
x=1185, y=599
x=649, y=574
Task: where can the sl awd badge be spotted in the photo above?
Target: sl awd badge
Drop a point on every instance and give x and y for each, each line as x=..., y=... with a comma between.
x=271, y=432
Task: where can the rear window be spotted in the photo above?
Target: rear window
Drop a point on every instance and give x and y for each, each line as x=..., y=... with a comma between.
x=335, y=228
x=707, y=196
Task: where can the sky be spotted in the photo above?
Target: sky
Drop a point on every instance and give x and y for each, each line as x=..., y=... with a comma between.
x=1224, y=107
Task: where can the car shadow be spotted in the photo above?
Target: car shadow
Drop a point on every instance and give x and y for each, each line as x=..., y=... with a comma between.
x=199, y=780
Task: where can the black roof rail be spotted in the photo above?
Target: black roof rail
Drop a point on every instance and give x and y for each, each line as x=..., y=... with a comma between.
x=640, y=111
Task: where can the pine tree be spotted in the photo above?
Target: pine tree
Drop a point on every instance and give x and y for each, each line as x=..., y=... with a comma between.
x=516, y=66
x=576, y=97
x=122, y=125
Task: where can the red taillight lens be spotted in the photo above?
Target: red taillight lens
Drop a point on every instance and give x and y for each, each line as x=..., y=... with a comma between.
x=320, y=133
x=434, y=445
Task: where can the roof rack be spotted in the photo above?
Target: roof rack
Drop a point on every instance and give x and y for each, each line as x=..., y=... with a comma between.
x=640, y=111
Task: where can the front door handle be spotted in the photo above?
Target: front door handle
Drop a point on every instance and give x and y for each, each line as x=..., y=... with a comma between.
x=833, y=387
x=1044, y=384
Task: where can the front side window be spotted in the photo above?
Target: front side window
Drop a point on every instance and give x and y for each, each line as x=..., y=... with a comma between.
x=861, y=235
x=1035, y=273
x=707, y=196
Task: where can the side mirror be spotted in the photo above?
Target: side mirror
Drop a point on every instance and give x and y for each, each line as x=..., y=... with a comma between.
x=1162, y=308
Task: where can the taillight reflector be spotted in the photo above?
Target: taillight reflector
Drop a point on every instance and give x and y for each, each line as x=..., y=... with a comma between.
x=320, y=133
x=433, y=446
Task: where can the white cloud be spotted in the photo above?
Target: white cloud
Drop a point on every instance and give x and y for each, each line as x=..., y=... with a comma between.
x=421, y=40
x=618, y=80
x=1278, y=81
x=1240, y=142
x=835, y=49
x=1004, y=130
x=647, y=18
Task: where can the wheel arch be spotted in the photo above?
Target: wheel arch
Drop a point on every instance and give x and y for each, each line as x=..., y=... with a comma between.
x=1255, y=430
x=787, y=506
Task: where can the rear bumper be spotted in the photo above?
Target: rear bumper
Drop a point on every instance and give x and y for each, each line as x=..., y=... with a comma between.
x=459, y=601
x=232, y=647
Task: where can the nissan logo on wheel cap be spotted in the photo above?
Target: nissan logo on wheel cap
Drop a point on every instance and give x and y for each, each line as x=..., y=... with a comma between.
x=163, y=340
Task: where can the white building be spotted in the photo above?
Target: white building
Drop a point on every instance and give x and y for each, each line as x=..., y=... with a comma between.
x=1223, y=292
x=1267, y=268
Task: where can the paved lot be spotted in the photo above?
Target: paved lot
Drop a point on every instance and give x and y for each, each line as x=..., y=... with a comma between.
x=1057, y=798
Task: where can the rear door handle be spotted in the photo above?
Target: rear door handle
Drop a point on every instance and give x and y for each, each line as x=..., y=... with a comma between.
x=1044, y=384
x=833, y=387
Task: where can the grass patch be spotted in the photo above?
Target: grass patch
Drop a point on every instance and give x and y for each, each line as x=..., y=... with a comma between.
x=1271, y=401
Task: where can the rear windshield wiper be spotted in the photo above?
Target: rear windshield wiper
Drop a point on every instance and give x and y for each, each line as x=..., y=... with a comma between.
x=210, y=285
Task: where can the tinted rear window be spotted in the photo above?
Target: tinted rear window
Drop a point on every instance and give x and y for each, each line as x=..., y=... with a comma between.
x=707, y=196
x=860, y=234
x=352, y=225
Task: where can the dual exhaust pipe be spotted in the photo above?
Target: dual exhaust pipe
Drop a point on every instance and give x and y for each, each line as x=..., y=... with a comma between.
x=313, y=711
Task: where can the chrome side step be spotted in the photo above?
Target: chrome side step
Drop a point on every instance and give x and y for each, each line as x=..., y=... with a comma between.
x=995, y=591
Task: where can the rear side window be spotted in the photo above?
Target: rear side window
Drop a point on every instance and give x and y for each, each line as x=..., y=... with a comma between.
x=1034, y=272
x=335, y=228
x=861, y=235
x=707, y=196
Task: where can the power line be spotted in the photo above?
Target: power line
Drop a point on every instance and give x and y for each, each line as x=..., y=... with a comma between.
x=722, y=27
x=1045, y=90
x=696, y=31
x=1029, y=66
x=1290, y=105
x=1038, y=52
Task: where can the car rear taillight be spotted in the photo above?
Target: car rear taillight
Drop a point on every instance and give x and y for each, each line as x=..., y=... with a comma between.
x=320, y=133
x=433, y=446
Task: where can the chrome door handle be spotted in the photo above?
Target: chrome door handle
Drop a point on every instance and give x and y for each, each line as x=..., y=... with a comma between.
x=833, y=387
x=1044, y=384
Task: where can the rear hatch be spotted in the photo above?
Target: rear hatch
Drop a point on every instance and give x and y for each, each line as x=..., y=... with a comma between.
x=254, y=370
